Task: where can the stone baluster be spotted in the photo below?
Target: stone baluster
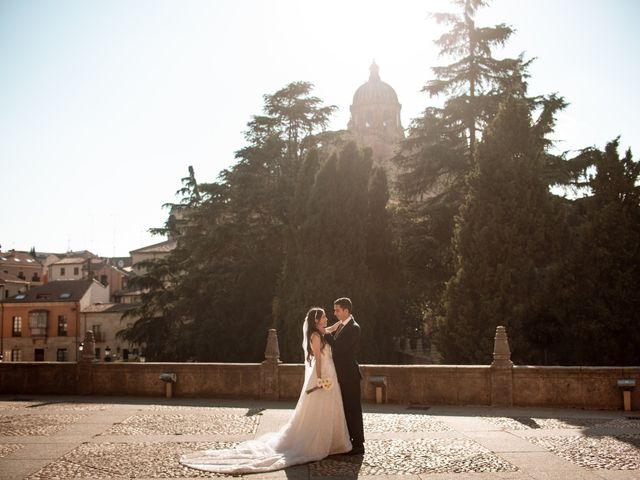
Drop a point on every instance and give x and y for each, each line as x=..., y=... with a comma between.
x=501, y=370
x=270, y=380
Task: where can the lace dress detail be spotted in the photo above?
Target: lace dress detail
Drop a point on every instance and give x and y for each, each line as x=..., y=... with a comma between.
x=317, y=429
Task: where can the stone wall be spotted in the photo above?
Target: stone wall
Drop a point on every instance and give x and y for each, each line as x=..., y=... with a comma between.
x=573, y=387
x=498, y=384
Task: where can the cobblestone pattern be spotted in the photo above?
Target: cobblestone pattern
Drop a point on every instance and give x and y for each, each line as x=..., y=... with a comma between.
x=163, y=409
x=8, y=448
x=11, y=405
x=71, y=406
x=395, y=457
x=527, y=423
x=380, y=423
x=126, y=460
x=621, y=452
x=202, y=423
x=36, y=424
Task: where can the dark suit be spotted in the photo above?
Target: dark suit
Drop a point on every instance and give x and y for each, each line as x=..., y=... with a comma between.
x=345, y=344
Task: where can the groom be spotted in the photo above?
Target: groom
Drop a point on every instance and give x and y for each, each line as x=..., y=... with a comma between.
x=344, y=342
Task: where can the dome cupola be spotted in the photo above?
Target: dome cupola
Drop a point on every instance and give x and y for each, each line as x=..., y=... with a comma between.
x=375, y=91
x=375, y=116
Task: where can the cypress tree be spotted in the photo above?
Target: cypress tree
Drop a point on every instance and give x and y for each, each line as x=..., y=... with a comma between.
x=503, y=242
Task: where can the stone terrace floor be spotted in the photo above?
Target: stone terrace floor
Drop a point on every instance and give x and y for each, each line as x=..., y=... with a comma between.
x=46, y=437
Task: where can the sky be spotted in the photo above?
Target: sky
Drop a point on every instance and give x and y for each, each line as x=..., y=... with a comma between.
x=105, y=104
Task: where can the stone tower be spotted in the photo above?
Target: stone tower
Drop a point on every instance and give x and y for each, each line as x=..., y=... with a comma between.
x=375, y=118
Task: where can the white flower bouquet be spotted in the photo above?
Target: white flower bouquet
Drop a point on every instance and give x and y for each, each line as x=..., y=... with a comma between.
x=323, y=383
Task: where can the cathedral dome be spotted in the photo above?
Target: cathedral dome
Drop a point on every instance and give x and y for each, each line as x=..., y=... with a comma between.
x=375, y=90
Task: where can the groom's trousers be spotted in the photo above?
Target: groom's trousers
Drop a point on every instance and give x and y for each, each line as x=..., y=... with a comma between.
x=353, y=411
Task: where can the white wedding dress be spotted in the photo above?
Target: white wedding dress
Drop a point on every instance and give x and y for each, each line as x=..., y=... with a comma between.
x=317, y=429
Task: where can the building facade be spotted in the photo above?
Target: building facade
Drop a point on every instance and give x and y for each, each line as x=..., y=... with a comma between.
x=152, y=252
x=105, y=321
x=22, y=265
x=44, y=323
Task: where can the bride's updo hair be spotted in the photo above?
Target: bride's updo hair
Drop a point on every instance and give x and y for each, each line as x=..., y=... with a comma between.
x=315, y=313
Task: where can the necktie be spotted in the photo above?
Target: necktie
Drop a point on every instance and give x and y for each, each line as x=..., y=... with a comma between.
x=340, y=327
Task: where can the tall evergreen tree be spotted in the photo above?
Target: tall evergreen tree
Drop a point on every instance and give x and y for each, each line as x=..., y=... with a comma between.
x=162, y=324
x=438, y=152
x=340, y=245
x=231, y=241
x=504, y=242
x=597, y=303
x=476, y=77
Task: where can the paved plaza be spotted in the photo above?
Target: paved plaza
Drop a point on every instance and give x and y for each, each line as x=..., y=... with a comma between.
x=47, y=437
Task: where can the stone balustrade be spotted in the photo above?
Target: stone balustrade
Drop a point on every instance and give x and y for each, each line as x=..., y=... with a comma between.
x=501, y=383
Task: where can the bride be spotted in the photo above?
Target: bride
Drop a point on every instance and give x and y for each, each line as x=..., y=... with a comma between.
x=316, y=430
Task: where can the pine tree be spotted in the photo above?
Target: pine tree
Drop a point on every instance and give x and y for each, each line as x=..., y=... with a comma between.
x=162, y=327
x=504, y=242
x=438, y=153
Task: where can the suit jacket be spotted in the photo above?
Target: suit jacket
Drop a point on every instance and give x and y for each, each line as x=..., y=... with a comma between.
x=344, y=346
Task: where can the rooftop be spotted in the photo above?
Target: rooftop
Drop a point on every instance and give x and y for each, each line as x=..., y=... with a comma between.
x=58, y=291
x=13, y=257
x=162, y=247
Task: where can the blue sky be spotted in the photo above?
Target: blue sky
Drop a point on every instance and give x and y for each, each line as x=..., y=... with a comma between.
x=104, y=104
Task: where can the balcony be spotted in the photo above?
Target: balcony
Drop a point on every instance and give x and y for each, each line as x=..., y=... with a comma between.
x=38, y=321
x=38, y=331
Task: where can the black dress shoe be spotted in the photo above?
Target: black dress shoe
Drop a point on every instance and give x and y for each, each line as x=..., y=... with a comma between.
x=356, y=451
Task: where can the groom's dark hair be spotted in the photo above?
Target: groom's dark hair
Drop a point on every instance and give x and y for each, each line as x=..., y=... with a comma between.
x=345, y=303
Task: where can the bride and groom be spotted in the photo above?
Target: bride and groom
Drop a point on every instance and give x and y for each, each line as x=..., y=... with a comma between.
x=327, y=419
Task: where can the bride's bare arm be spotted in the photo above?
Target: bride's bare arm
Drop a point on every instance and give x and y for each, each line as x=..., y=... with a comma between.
x=332, y=328
x=316, y=344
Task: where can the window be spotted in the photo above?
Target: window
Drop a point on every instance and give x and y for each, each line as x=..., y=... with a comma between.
x=17, y=326
x=62, y=272
x=76, y=271
x=98, y=352
x=62, y=355
x=21, y=275
x=62, y=326
x=38, y=322
x=16, y=355
x=98, y=334
x=38, y=354
x=103, y=280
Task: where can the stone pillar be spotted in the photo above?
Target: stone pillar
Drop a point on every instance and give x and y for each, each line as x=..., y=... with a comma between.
x=83, y=367
x=89, y=347
x=501, y=370
x=270, y=380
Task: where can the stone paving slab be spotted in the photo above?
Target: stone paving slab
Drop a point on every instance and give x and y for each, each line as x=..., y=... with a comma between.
x=27, y=424
x=216, y=421
x=602, y=453
x=142, y=438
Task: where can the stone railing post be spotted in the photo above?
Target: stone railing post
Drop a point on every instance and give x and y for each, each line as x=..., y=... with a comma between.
x=83, y=367
x=270, y=380
x=501, y=370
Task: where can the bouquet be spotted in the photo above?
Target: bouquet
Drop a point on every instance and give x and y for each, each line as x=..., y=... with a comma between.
x=322, y=383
